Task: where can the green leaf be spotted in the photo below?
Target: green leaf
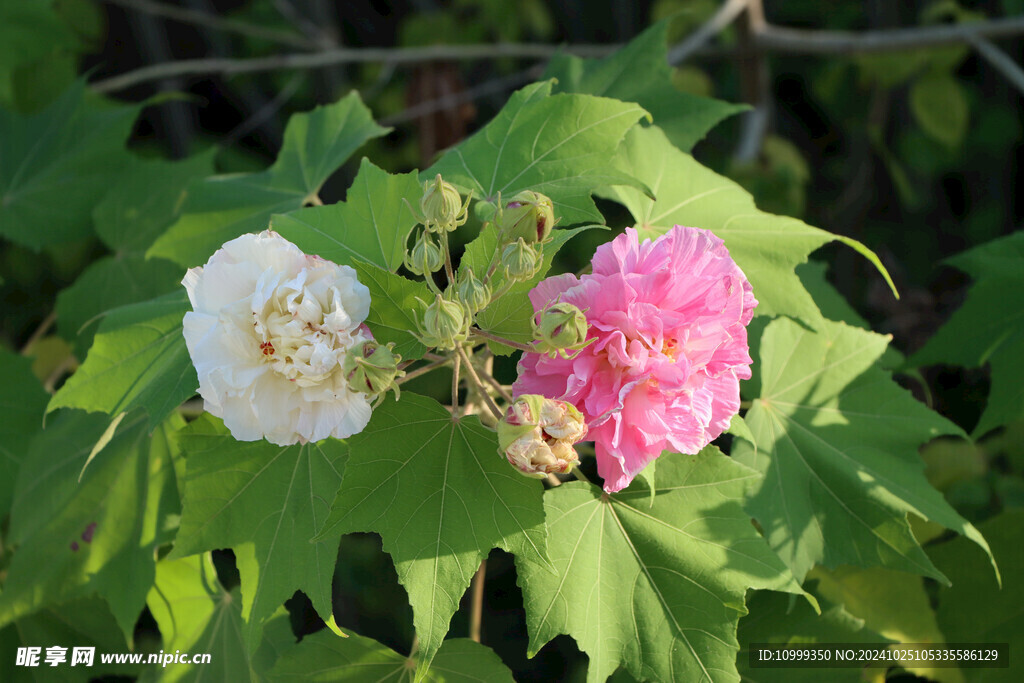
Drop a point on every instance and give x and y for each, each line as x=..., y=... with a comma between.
x=372, y=224
x=778, y=618
x=640, y=73
x=221, y=208
x=837, y=442
x=324, y=656
x=510, y=314
x=655, y=587
x=893, y=604
x=266, y=502
x=55, y=164
x=441, y=497
x=765, y=246
x=394, y=308
x=22, y=403
x=940, y=107
x=98, y=535
x=107, y=283
x=86, y=622
x=138, y=359
x=145, y=199
x=976, y=608
x=985, y=329
x=559, y=145
x=30, y=31
x=196, y=615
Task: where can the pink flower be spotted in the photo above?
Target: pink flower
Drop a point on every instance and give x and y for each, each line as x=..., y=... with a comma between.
x=670, y=320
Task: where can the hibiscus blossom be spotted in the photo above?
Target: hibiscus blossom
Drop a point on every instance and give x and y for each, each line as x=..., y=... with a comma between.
x=268, y=334
x=669, y=321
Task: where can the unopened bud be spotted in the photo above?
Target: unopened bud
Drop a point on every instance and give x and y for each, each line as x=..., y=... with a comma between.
x=444, y=324
x=537, y=434
x=529, y=215
x=562, y=327
x=425, y=257
x=474, y=294
x=442, y=206
x=520, y=260
x=372, y=369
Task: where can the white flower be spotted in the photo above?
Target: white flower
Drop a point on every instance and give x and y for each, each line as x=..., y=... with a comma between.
x=268, y=333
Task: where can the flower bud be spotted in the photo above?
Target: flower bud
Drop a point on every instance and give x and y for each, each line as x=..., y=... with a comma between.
x=371, y=368
x=562, y=326
x=474, y=294
x=425, y=256
x=530, y=216
x=537, y=435
x=444, y=324
x=442, y=206
x=520, y=260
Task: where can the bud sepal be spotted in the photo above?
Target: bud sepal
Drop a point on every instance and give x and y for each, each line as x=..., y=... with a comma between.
x=445, y=324
x=441, y=206
x=372, y=368
x=529, y=216
x=560, y=328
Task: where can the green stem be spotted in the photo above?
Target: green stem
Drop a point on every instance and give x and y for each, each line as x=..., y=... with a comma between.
x=447, y=258
x=501, y=340
x=422, y=371
x=491, y=405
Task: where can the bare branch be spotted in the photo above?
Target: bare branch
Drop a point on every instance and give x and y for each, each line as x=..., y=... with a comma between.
x=779, y=39
x=725, y=15
x=191, y=16
x=998, y=59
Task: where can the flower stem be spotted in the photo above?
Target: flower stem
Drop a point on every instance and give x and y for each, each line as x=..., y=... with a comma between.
x=477, y=611
x=507, y=397
x=447, y=258
x=456, y=410
x=43, y=328
x=578, y=473
x=501, y=340
x=423, y=370
x=479, y=385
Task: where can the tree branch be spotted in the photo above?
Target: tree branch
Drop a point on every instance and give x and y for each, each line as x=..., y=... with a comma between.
x=998, y=59
x=725, y=15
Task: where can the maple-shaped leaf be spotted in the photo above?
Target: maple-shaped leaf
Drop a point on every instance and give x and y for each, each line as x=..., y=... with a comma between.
x=266, y=502
x=441, y=497
x=767, y=247
x=656, y=586
x=558, y=145
x=220, y=208
x=837, y=442
x=985, y=329
x=23, y=403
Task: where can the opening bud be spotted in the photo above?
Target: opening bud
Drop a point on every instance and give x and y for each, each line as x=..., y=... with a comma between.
x=520, y=260
x=474, y=294
x=442, y=206
x=444, y=325
x=537, y=434
x=372, y=369
x=562, y=327
x=529, y=215
x=425, y=257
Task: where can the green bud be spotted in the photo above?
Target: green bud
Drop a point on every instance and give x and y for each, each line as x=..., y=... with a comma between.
x=473, y=294
x=442, y=206
x=520, y=260
x=529, y=215
x=371, y=368
x=444, y=324
x=562, y=326
x=425, y=257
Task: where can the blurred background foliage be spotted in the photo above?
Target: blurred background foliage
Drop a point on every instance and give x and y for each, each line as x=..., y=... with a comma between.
x=915, y=153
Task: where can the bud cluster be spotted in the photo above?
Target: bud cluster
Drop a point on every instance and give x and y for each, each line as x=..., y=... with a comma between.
x=537, y=435
x=524, y=224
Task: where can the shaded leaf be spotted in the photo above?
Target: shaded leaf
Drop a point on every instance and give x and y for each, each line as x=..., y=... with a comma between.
x=639, y=72
x=223, y=207
x=266, y=502
x=940, y=107
x=23, y=403
x=372, y=223
x=558, y=145
x=441, y=497
x=837, y=442
x=655, y=587
x=138, y=359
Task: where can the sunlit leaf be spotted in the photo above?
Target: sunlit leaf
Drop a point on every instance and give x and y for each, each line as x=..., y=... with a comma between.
x=396, y=304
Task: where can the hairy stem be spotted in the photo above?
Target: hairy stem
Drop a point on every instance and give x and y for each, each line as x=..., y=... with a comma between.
x=491, y=405
x=501, y=340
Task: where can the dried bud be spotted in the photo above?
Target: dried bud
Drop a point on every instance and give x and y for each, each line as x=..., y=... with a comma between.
x=425, y=257
x=537, y=435
x=442, y=206
x=444, y=324
x=530, y=216
x=473, y=294
x=562, y=326
x=372, y=369
x=520, y=260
